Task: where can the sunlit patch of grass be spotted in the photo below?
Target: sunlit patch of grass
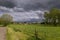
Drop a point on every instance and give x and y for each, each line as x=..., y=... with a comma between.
x=12, y=35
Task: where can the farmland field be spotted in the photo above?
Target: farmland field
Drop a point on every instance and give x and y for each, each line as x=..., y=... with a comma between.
x=26, y=31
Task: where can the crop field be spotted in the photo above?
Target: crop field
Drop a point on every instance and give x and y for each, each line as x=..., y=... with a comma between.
x=27, y=31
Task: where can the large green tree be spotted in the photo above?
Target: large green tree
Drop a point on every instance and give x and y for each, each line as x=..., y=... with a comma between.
x=6, y=19
x=53, y=16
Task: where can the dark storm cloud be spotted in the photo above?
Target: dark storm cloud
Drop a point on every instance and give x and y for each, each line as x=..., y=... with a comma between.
x=31, y=4
x=37, y=4
x=7, y=3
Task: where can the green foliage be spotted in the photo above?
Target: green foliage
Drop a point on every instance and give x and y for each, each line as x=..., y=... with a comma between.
x=6, y=19
x=53, y=16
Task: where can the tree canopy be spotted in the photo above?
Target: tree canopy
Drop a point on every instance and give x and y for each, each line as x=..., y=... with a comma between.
x=5, y=19
x=53, y=16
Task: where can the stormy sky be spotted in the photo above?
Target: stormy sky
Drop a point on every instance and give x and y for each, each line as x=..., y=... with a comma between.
x=20, y=14
x=31, y=4
x=27, y=9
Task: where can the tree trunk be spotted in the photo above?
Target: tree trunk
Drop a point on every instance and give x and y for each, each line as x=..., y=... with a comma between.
x=55, y=24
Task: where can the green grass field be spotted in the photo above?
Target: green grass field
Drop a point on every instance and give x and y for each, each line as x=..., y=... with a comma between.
x=25, y=31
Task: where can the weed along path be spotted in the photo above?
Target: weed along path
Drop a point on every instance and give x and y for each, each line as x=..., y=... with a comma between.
x=2, y=33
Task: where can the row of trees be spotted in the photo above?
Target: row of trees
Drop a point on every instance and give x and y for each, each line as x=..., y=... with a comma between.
x=53, y=16
x=6, y=19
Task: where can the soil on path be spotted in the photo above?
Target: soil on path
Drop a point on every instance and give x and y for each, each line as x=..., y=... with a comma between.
x=2, y=33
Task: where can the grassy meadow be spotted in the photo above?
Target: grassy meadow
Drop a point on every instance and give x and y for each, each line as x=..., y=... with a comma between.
x=26, y=32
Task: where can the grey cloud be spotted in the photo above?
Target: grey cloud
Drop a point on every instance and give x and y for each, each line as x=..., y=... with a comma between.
x=24, y=15
x=27, y=4
x=31, y=4
x=7, y=3
x=18, y=9
x=15, y=9
x=37, y=4
x=27, y=16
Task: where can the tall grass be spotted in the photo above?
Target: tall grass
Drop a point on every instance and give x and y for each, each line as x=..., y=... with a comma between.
x=24, y=31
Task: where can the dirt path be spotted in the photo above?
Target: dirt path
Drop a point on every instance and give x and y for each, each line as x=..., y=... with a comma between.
x=2, y=33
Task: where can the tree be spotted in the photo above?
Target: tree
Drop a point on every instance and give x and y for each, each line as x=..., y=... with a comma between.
x=6, y=19
x=52, y=16
x=47, y=17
